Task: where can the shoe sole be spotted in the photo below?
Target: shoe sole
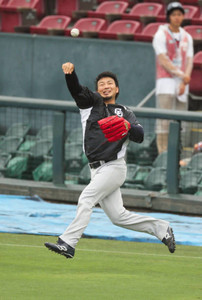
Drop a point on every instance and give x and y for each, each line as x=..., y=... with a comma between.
x=56, y=250
x=171, y=243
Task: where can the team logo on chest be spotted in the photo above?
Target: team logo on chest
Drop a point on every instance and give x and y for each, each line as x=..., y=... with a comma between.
x=118, y=112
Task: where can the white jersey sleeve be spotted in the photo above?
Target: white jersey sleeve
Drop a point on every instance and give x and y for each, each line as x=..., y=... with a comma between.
x=159, y=42
x=190, y=51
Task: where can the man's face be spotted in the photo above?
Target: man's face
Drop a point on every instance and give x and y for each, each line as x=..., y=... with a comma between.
x=176, y=18
x=107, y=88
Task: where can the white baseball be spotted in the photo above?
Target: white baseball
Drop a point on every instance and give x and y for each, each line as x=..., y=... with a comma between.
x=74, y=32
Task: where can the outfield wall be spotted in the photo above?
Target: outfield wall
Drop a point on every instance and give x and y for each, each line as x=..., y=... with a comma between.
x=31, y=65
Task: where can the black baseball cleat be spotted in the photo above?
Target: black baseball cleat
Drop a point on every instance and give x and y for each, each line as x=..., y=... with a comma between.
x=61, y=248
x=169, y=240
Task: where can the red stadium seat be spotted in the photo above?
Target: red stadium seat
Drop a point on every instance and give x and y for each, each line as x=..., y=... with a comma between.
x=121, y=29
x=196, y=77
x=198, y=60
x=156, y=1
x=89, y=27
x=144, y=12
x=20, y=12
x=4, y=2
x=54, y=25
x=190, y=2
x=190, y=13
x=197, y=21
x=65, y=7
x=16, y=5
x=148, y=32
x=130, y=2
x=110, y=10
x=195, y=31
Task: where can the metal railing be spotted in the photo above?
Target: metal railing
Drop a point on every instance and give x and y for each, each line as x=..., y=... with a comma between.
x=61, y=112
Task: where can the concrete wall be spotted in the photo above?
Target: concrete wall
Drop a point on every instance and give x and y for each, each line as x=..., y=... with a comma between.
x=31, y=65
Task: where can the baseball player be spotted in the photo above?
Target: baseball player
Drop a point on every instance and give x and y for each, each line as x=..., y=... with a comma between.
x=174, y=55
x=107, y=129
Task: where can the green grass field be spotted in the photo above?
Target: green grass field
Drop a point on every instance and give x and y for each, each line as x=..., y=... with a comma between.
x=101, y=269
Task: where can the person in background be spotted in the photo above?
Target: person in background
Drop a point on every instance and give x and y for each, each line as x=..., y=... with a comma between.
x=173, y=47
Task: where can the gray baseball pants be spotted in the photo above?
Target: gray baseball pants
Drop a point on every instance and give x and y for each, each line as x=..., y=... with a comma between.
x=104, y=188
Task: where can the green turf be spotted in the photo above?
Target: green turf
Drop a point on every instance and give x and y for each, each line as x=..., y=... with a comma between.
x=101, y=269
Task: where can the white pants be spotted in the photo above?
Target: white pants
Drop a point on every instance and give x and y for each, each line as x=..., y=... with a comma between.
x=168, y=101
x=104, y=188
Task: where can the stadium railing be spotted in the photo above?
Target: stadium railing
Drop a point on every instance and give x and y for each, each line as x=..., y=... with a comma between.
x=53, y=145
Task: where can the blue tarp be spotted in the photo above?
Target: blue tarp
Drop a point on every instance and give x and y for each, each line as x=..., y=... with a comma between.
x=32, y=215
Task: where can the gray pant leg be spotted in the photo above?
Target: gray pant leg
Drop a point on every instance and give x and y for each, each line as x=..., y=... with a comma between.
x=105, y=180
x=114, y=209
x=104, y=189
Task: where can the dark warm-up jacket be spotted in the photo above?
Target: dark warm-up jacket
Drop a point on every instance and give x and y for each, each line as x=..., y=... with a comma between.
x=92, y=109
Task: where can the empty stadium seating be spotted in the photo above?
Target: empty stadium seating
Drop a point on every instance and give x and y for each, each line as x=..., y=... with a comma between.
x=161, y=161
x=136, y=176
x=197, y=21
x=157, y=1
x=196, y=32
x=54, y=25
x=45, y=133
x=4, y=159
x=83, y=8
x=85, y=175
x=74, y=157
x=130, y=2
x=144, y=12
x=189, y=181
x=17, y=130
x=121, y=29
x=24, y=162
x=196, y=77
x=75, y=136
x=191, y=2
x=148, y=32
x=110, y=10
x=143, y=154
x=10, y=144
x=87, y=5
x=64, y=7
x=20, y=12
x=89, y=27
x=4, y=2
x=156, y=180
x=44, y=172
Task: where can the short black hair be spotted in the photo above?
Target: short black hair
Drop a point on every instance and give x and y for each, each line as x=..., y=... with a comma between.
x=107, y=74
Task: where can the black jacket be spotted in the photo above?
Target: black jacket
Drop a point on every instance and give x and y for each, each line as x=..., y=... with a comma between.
x=93, y=109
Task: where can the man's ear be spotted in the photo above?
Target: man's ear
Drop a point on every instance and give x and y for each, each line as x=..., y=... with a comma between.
x=117, y=90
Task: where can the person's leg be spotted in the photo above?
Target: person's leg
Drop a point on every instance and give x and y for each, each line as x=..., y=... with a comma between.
x=105, y=180
x=185, y=126
x=163, y=101
x=114, y=209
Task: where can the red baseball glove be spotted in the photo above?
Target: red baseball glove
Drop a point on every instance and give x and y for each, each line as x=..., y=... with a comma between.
x=114, y=128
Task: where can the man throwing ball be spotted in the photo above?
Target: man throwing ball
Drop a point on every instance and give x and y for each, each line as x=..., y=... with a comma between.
x=107, y=129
